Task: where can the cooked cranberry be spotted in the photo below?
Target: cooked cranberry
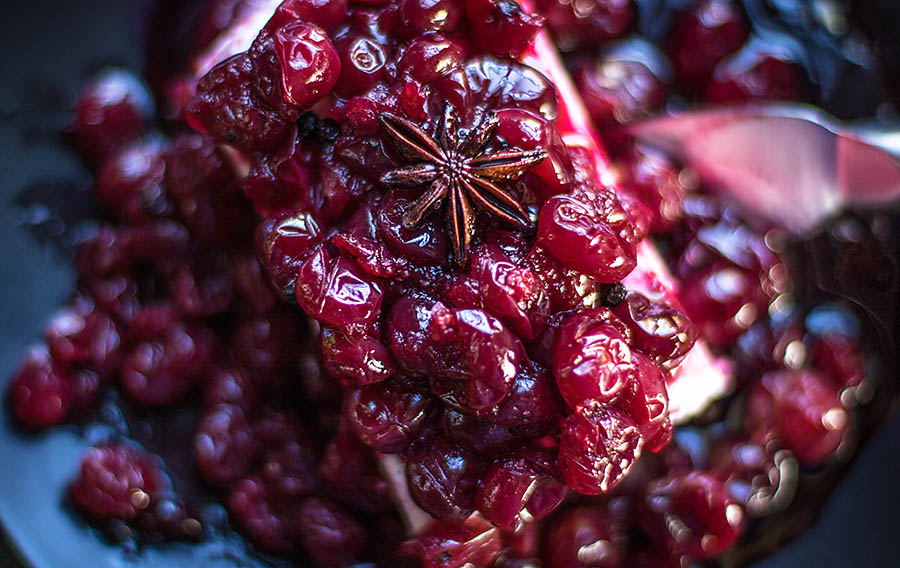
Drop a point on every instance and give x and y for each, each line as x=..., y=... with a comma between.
x=656, y=181
x=228, y=108
x=589, y=233
x=290, y=471
x=522, y=488
x=84, y=335
x=514, y=295
x=206, y=194
x=647, y=402
x=332, y=291
x=387, y=417
x=443, y=477
x=751, y=474
x=430, y=56
x=591, y=358
x=704, y=35
x=310, y=66
x=41, y=393
x=503, y=83
x=722, y=300
x=116, y=481
x=351, y=474
x=751, y=75
x=532, y=400
x=802, y=410
x=252, y=291
x=839, y=357
x=130, y=183
x=568, y=289
x=474, y=542
x=267, y=343
x=691, y=514
x=597, y=448
x=255, y=512
x=283, y=241
x=283, y=179
x=224, y=447
x=231, y=385
x=501, y=27
x=431, y=15
x=167, y=360
x=657, y=329
x=327, y=14
x=575, y=24
x=407, y=328
x=355, y=357
x=110, y=113
x=426, y=243
x=477, y=349
x=481, y=436
x=583, y=536
x=617, y=91
x=329, y=534
x=363, y=60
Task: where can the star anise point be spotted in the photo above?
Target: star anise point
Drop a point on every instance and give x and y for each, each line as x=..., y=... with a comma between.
x=458, y=173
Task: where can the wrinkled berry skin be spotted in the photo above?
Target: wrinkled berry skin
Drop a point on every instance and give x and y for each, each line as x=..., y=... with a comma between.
x=386, y=418
x=475, y=542
x=590, y=233
x=332, y=291
x=591, y=362
x=659, y=330
x=327, y=14
x=228, y=108
x=443, y=478
x=524, y=487
x=597, y=448
x=310, y=65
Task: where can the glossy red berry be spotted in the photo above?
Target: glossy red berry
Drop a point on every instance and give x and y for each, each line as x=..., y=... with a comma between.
x=386, y=417
x=473, y=542
x=589, y=232
x=443, y=478
x=501, y=27
x=597, y=448
x=591, y=358
x=522, y=488
x=310, y=66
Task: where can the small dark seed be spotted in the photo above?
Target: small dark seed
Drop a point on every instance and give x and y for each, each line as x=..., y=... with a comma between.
x=306, y=125
x=327, y=131
x=614, y=294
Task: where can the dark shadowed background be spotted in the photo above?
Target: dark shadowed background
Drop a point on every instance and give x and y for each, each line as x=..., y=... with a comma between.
x=49, y=47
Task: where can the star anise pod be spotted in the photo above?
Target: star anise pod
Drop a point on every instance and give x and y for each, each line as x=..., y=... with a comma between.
x=458, y=172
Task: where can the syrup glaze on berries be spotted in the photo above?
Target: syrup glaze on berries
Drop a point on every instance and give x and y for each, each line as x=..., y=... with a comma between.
x=436, y=277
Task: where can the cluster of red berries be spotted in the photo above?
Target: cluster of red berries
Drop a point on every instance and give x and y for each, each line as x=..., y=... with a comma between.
x=366, y=237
